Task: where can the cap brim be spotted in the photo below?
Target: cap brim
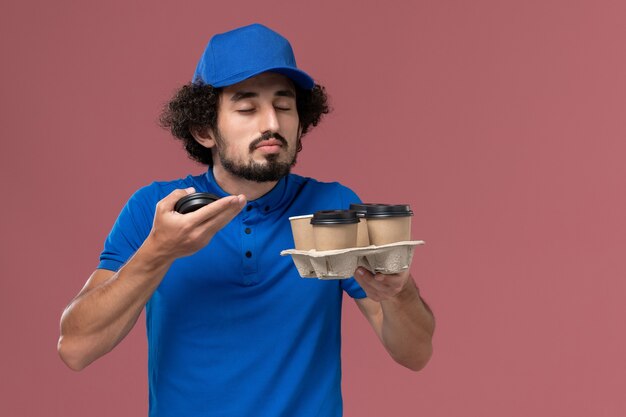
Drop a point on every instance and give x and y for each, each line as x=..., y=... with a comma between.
x=299, y=77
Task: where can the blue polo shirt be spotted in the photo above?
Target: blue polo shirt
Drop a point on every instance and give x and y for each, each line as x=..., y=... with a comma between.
x=233, y=330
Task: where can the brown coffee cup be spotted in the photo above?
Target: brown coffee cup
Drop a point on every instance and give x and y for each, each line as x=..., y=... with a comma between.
x=387, y=223
x=302, y=232
x=335, y=229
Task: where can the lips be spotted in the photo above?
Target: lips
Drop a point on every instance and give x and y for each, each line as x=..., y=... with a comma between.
x=270, y=142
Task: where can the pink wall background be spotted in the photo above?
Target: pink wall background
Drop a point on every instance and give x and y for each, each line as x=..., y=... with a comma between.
x=502, y=123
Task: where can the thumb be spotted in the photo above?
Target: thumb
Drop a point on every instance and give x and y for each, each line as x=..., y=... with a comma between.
x=169, y=202
x=362, y=273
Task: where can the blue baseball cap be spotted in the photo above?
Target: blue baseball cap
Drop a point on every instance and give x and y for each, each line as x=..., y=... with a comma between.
x=244, y=52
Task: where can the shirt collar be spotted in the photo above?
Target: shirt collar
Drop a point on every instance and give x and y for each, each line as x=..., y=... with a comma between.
x=266, y=203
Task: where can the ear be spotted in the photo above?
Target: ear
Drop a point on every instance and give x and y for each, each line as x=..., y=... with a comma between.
x=204, y=137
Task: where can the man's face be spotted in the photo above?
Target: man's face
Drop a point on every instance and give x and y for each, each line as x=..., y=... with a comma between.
x=258, y=128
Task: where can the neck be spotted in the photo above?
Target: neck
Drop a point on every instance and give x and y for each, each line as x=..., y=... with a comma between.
x=235, y=185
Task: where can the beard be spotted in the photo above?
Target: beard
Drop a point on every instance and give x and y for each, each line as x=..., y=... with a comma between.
x=271, y=170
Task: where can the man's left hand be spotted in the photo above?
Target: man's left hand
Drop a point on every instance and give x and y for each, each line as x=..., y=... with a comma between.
x=381, y=287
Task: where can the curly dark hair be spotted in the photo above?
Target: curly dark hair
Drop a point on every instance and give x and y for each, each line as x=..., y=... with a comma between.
x=194, y=108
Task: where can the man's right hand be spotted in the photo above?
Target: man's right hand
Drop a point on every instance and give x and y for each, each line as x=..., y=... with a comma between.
x=175, y=235
x=108, y=306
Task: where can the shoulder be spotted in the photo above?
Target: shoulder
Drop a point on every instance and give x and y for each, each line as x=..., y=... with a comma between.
x=312, y=183
x=157, y=190
x=312, y=187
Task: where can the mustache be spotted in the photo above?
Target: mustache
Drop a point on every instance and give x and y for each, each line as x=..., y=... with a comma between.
x=267, y=136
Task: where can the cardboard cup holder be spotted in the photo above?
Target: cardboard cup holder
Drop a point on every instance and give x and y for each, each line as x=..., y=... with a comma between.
x=341, y=263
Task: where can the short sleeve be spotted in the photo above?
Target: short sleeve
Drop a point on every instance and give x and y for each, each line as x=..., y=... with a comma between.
x=348, y=197
x=350, y=285
x=130, y=229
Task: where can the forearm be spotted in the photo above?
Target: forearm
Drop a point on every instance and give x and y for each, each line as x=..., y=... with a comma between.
x=407, y=327
x=101, y=316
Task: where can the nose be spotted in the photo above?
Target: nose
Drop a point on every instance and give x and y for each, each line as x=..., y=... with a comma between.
x=269, y=120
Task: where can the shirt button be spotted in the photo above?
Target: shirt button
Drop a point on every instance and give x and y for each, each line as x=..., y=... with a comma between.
x=248, y=230
x=267, y=208
x=248, y=254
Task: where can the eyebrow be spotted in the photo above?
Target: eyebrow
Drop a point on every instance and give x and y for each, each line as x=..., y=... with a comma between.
x=242, y=95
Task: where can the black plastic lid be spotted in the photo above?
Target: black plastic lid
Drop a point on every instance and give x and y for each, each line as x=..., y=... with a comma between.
x=194, y=201
x=361, y=208
x=388, y=210
x=330, y=217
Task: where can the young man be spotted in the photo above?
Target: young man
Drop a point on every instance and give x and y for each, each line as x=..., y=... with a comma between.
x=232, y=328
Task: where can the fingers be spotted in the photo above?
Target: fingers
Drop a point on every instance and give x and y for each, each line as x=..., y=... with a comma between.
x=230, y=206
x=380, y=287
x=365, y=278
x=219, y=212
x=370, y=279
x=184, y=234
x=169, y=202
x=223, y=217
